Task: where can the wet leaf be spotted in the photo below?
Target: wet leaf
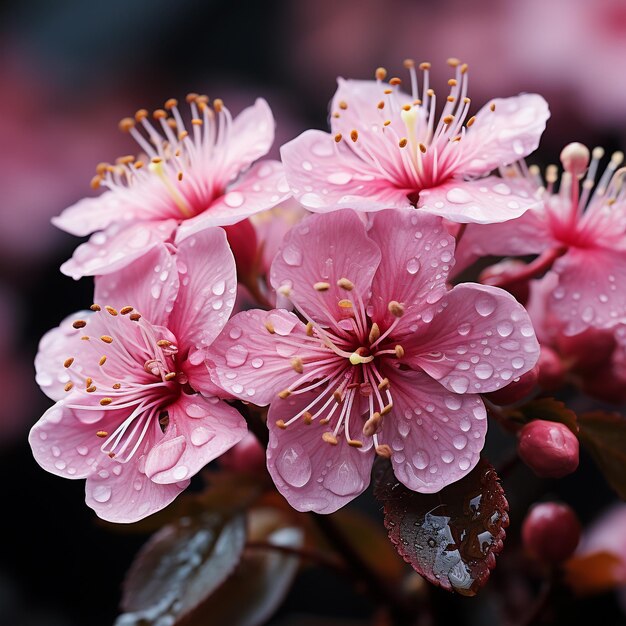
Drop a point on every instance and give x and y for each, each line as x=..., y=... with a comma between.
x=451, y=537
x=262, y=579
x=604, y=436
x=179, y=567
x=548, y=409
x=594, y=573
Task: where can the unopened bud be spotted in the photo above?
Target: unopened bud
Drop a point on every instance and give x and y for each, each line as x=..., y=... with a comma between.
x=550, y=449
x=247, y=456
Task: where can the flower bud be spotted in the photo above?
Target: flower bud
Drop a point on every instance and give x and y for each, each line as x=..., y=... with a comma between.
x=243, y=243
x=505, y=271
x=247, y=456
x=551, y=531
x=551, y=370
x=516, y=390
x=550, y=449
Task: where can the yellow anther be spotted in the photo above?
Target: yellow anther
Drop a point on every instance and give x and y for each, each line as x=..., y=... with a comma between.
x=102, y=434
x=281, y=424
x=395, y=308
x=284, y=394
x=321, y=286
x=68, y=362
x=346, y=284
x=297, y=365
x=106, y=401
x=381, y=73
x=106, y=338
x=374, y=333
x=383, y=451
x=79, y=324
x=330, y=438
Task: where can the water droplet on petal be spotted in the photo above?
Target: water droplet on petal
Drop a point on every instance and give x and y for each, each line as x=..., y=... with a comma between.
x=457, y=195
x=483, y=371
x=421, y=459
x=233, y=199
x=294, y=466
x=102, y=493
x=485, y=305
x=343, y=479
x=201, y=435
x=339, y=178
x=459, y=442
x=236, y=356
x=460, y=384
x=413, y=266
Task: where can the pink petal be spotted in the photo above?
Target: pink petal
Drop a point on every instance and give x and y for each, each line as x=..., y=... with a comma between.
x=590, y=291
x=435, y=436
x=311, y=474
x=122, y=493
x=482, y=201
x=64, y=440
x=199, y=430
x=324, y=175
x=252, y=363
x=208, y=285
x=150, y=284
x=119, y=245
x=261, y=188
x=415, y=267
x=481, y=339
x=250, y=137
x=507, y=134
x=200, y=377
x=324, y=249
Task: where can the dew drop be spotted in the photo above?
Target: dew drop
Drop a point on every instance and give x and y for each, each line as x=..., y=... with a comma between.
x=201, y=435
x=234, y=199
x=483, y=371
x=256, y=363
x=459, y=442
x=421, y=459
x=219, y=288
x=413, y=266
x=343, y=479
x=457, y=195
x=236, y=356
x=485, y=305
x=504, y=328
x=339, y=178
x=294, y=466
x=459, y=384
x=102, y=493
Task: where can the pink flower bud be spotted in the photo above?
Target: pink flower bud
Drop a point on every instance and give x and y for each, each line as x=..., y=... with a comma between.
x=551, y=370
x=550, y=449
x=516, y=390
x=506, y=270
x=551, y=531
x=247, y=456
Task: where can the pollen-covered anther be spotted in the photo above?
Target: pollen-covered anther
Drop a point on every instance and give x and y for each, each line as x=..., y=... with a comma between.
x=135, y=317
x=422, y=148
x=386, y=409
x=338, y=137
x=111, y=310
x=381, y=104
x=383, y=451
x=386, y=122
x=106, y=338
x=383, y=384
x=321, y=286
x=79, y=324
x=106, y=401
x=297, y=364
x=307, y=418
x=90, y=389
x=399, y=350
x=354, y=135
x=68, y=362
x=126, y=124
x=403, y=142
x=102, y=434
x=116, y=385
x=343, y=105
x=68, y=386
x=84, y=338
x=164, y=343
x=88, y=381
x=381, y=73
x=337, y=395
x=372, y=425
x=425, y=66
x=281, y=424
x=452, y=82
x=395, y=308
x=492, y=107
x=285, y=290
x=408, y=63
x=284, y=394
x=309, y=329
x=374, y=333
x=269, y=327
x=448, y=119
x=395, y=81
x=406, y=107
x=171, y=103
x=218, y=105
x=346, y=284
x=95, y=182
x=170, y=376
x=345, y=304
x=355, y=443
x=125, y=310
x=330, y=438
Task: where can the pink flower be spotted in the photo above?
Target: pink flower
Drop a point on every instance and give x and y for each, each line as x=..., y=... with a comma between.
x=387, y=359
x=127, y=417
x=390, y=150
x=187, y=180
x=584, y=227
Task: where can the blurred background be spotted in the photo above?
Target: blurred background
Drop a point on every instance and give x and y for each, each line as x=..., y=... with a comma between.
x=71, y=69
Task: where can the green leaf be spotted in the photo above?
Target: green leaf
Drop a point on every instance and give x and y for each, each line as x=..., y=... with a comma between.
x=548, y=409
x=604, y=436
x=451, y=537
x=179, y=567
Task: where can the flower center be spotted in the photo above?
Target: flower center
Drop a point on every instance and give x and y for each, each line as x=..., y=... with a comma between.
x=125, y=375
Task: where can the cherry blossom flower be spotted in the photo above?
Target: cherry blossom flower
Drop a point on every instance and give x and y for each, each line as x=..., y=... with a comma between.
x=124, y=377
x=386, y=361
x=389, y=149
x=579, y=231
x=188, y=179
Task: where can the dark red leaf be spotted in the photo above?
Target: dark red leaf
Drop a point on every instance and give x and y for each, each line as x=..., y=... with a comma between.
x=451, y=537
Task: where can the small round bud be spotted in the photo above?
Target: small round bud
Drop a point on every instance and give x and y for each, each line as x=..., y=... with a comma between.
x=247, y=456
x=575, y=158
x=551, y=531
x=551, y=370
x=506, y=270
x=516, y=390
x=550, y=449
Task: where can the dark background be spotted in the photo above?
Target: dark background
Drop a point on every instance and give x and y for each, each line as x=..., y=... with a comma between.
x=69, y=70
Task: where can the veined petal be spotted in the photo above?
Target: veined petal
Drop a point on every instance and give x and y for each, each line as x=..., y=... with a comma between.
x=199, y=430
x=435, y=435
x=505, y=130
x=312, y=474
x=481, y=339
x=482, y=201
x=110, y=250
x=324, y=176
x=316, y=254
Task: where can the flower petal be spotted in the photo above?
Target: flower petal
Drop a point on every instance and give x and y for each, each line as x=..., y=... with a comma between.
x=590, y=291
x=199, y=430
x=122, y=493
x=254, y=363
x=324, y=249
x=505, y=130
x=311, y=474
x=481, y=339
x=208, y=285
x=262, y=187
x=435, y=436
x=484, y=201
x=119, y=245
x=324, y=175
x=150, y=285
x=414, y=270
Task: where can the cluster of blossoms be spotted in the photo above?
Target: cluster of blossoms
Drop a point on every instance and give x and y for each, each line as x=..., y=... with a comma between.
x=370, y=349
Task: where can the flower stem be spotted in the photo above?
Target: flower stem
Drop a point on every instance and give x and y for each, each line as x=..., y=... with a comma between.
x=303, y=553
